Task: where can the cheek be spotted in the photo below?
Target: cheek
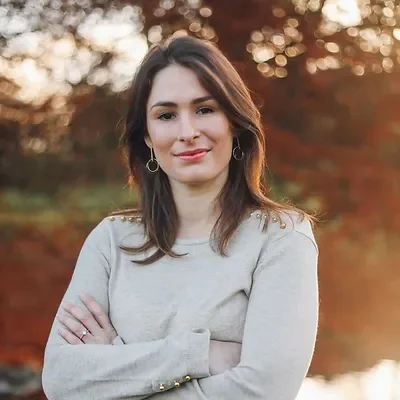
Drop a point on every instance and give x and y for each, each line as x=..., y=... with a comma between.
x=162, y=147
x=161, y=140
x=226, y=152
x=225, y=138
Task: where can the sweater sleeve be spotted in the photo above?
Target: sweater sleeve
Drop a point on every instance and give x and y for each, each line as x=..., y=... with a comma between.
x=116, y=371
x=280, y=328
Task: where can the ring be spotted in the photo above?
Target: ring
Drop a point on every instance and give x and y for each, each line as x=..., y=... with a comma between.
x=84, y=333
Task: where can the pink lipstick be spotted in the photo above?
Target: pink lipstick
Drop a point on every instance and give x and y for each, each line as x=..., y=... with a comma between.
x=192, y=155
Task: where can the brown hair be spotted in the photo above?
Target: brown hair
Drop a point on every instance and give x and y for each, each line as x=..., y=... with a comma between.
x=245, y=188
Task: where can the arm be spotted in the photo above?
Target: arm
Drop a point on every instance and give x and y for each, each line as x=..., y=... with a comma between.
x=280, y=329
x=107, y=372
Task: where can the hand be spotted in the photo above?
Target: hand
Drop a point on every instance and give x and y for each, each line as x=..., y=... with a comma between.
x=95, y=323
x=223, y=356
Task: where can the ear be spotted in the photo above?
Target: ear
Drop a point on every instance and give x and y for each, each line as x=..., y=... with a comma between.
x=148, y=142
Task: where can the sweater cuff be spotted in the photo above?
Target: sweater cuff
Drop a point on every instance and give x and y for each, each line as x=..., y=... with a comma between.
x=117, y=341
x=197, y=360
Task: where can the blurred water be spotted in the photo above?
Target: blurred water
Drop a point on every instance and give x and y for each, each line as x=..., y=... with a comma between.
x=382, y=382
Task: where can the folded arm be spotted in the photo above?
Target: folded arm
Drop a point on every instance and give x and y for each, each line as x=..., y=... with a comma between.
x=107, y=372
x=280, y=329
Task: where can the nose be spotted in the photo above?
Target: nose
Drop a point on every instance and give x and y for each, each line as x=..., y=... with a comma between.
x=188, y=130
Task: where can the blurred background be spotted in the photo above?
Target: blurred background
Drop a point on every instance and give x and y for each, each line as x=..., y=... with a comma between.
x=326, y=76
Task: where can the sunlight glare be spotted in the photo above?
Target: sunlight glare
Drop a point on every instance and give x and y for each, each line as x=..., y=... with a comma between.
x=381, y=382
x=344, y=12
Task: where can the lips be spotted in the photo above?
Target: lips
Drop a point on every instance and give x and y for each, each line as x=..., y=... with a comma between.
x=192, y=152
x=192, y=156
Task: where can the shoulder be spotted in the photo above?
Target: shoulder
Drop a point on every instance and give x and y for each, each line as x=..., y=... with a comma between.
x=273, y=226
x=117, y=228
x=288, y=245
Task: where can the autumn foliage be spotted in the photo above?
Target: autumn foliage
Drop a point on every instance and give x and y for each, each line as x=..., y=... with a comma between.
x=333, y=137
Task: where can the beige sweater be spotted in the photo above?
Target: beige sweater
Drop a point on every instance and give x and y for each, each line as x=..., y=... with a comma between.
x=263, y=295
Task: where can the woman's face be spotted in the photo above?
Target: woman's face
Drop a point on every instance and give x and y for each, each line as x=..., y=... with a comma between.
x=189, y=133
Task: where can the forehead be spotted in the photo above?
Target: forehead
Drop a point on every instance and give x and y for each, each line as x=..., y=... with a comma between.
x=177, y=84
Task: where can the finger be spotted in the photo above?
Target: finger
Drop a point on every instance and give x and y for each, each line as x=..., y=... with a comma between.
x=84, y=317
x=96, y=310
x=74, y=327
x=68, y=336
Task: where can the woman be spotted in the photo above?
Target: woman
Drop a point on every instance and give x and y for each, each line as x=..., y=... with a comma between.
x=210, y=291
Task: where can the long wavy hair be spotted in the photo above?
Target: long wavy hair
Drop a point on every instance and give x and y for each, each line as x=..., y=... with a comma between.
x=246, y=188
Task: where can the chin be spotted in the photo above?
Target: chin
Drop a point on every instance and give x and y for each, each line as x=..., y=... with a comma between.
x=195, y=179
x=199, y=178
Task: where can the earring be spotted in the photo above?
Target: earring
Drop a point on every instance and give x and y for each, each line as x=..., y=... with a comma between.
x=237, y=152
x=152, y=162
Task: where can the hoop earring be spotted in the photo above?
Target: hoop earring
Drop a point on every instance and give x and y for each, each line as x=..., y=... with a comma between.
x=153, y=162
x=237, y=152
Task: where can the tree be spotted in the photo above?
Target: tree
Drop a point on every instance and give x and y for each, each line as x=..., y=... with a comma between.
x=326, y=80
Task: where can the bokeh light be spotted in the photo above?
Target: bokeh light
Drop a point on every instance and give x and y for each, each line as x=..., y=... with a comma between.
x=196, y=20
x=339, y=17
x=59, y=60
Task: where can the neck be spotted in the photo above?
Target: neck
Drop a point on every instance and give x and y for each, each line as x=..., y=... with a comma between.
x=197, y=207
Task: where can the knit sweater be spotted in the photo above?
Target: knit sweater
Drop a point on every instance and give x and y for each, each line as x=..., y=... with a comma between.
x=263, y=294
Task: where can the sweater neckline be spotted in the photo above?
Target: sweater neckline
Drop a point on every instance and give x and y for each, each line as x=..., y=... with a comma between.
x=207, y=239
x=192, y=241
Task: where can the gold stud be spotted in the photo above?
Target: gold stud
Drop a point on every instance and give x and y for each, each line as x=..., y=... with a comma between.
x=187, y=378
x=139, y=219
x=283, y=225
x=275, y=219
x=162, y=387
x=123, y=218
x=130, y=219
x=258, y=215
x=176, y=384
x=112, y=218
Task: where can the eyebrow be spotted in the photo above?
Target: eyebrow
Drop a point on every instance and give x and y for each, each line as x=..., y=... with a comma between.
x=172, y=104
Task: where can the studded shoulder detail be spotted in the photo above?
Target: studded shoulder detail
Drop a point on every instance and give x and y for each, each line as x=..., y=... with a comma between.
x=264, y=217
x=124, y=218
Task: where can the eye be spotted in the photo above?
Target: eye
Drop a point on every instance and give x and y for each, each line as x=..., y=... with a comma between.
x=165, y=116
x=205, y=110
